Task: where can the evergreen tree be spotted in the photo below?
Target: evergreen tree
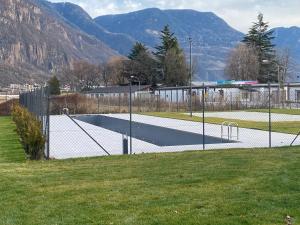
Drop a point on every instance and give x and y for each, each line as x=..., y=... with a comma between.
x=171, y=60
x=260, y=38
x=168, y=42
x=176, y=70
x=142, y=65
x=137, y=49
x=53, y=84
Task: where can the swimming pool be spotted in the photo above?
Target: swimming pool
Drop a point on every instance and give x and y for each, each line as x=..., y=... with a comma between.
x=157, y=135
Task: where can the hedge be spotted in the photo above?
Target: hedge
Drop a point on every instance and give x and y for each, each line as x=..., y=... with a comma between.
x=30, y=132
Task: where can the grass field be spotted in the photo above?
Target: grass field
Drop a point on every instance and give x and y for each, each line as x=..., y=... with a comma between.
x=10, y=146
x=215, y=187
x=283, y=127
x=279, y=111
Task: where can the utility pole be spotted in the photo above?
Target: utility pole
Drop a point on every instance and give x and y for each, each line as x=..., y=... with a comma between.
x=191, y=110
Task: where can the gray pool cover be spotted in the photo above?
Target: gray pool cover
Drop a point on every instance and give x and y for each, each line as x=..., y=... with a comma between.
x=157, y=135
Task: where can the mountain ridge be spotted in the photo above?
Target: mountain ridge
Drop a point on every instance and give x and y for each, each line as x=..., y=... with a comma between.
x=76, y=16
x=212, y=36
x=39, y=38
x=36, y=42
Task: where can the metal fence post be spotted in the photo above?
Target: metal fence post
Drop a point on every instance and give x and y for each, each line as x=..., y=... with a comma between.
x=203, y=117
x=119, y=101
x=48, y=125
x=158, y=101
x=270, y=122
x=130, y=115
x=177, y=100
x=98, y=103
x=230, y=101
x=171, y=105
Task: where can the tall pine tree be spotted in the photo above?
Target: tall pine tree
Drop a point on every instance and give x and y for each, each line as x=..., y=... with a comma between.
x=260, y=38
x=136, y=50
x=171, y=59
x=168, y=42
x=142, y=64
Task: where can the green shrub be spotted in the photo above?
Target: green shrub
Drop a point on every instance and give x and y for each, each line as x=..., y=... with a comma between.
x=30, y=132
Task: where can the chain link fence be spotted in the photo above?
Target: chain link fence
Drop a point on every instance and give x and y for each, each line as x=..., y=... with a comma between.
x=140, y=119
x=38, y=103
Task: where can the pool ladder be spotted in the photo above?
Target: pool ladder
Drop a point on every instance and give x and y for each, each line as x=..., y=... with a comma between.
x=230, y=128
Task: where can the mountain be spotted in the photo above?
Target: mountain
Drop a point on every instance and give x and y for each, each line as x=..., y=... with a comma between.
x=39, y=38
x=212, y=37
x=76, y=16
x=288, y=38
x=36, y=41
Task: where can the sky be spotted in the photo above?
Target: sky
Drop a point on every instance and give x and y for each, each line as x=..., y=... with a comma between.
x=237, y=13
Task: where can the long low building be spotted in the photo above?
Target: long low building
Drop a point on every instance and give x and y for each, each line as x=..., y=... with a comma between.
x=120, y=91
x=247, y=92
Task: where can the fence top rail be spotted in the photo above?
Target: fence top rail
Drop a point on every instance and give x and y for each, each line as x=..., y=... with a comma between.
x=226, y=86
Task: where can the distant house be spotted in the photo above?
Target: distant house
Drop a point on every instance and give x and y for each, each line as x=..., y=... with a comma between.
x=120, y=91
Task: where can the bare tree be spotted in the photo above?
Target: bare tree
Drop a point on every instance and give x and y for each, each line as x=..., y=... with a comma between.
x=88, y=75
x=82, y=75
x=67, y=77
x=114, y=71
x=243, y=63
x=284, y=65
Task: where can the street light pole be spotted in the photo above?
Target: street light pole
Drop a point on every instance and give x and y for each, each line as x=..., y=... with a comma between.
x=191, y=110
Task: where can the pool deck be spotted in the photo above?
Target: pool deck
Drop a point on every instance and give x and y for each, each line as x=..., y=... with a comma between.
x=67, y=140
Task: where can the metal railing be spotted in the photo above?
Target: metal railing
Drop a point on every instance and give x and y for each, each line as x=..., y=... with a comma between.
x=230, y=126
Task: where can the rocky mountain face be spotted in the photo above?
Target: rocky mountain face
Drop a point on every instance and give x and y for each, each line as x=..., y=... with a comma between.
x=212, y=37
x=76, y=16
x=36, y=41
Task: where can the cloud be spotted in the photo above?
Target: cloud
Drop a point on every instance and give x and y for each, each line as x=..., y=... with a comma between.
x=237, y=13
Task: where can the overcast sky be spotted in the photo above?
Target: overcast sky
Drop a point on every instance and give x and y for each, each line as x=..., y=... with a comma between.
x=238, y=13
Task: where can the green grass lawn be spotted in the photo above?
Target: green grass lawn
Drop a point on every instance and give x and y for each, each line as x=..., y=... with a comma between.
x=214, y=187
x=290, y=127
x=10, y=146
x=279, y=111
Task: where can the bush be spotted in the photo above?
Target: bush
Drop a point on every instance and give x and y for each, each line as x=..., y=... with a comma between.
x=5, y=107
x=30, y=132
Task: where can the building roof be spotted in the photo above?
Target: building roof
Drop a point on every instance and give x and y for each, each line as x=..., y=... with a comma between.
x=118, y=89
